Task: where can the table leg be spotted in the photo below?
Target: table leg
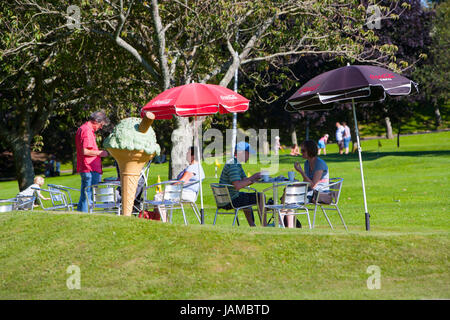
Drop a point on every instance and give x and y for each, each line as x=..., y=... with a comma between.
x=275, y=201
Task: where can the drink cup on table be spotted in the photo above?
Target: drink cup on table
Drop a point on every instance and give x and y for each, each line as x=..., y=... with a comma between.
x=265, y=176
x=291, y=176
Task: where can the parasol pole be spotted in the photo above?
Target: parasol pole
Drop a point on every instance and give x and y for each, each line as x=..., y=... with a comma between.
x=361, y=168
x=199, y=159
x=236, y=77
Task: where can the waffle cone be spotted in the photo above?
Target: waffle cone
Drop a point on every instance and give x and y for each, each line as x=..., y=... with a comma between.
x=131, y=163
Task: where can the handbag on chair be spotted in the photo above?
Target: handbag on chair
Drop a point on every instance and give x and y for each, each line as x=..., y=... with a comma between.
x=151, y=215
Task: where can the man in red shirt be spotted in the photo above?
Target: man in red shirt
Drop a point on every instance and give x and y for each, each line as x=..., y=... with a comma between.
x=89, y=162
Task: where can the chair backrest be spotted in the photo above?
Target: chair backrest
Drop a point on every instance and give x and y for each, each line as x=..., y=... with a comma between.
x=7, y=205
x=172, y=192
x=296, y=193
x=25, y=202
x=145, y=171
x=104, y=193
x=58, y=199
x=56, y=196
x=64, y=189
x=190, y=184
x=221, y=194
x=335, y=189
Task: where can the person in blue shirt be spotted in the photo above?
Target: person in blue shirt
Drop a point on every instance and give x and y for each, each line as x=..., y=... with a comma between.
x=315, y=172
x=315, y=169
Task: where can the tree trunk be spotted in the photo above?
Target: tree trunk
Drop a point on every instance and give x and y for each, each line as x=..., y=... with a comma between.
x=74, y=162
x=293, y=136
x=182, y=139
x=389, y=133
x=437, y=114
x=22, y=160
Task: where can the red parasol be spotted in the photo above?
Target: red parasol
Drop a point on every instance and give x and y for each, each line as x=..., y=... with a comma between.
x=192, y=100
x=196, y=99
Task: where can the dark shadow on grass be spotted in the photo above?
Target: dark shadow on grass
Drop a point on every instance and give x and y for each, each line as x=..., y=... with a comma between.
x=367, y=156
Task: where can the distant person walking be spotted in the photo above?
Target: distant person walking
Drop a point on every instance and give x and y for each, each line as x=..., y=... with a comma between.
x=89, y=163
x=347, y=136
x=340, y=137
x=277, y=145
x=322, y=144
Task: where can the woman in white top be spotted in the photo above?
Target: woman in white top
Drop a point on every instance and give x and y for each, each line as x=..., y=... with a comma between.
x=190, y=177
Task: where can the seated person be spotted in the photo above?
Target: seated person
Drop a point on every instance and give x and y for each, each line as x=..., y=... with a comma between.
x=294, y=150
x=234, y=174
x=316, y=172
x=190, y=177
x=29, y=192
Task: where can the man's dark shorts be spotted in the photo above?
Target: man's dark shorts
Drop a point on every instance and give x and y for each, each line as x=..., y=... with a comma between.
x=242, y=200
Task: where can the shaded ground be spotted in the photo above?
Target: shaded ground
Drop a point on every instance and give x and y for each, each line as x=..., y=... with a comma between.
x=8, y=170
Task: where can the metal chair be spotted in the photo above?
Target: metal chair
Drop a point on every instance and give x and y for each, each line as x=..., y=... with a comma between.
x=169, y=199
x=25, y=202
x=104, y=198
x=193, y=203
x=7, y=205
x=334, y=187
x=58, y=199
x=142, y=183
x=293, y=201
x=223, y=199
x=66, y=191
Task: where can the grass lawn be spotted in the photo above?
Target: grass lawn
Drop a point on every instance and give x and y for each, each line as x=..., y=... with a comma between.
x=129, y=258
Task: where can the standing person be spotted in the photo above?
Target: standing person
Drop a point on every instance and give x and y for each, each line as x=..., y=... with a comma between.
x=234, y=174
x=340, y=137
x=89, y=162
x=322, y=144
x=347, y=136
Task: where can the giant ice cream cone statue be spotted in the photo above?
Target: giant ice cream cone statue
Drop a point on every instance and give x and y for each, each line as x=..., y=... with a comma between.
x=132, y=143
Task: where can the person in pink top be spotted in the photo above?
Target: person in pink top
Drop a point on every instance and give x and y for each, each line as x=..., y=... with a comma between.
x=89, y=162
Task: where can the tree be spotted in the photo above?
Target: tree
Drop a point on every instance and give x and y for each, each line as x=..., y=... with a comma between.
x=54, y=76
x=177, y=42
x=30, y=76
x=433, y=74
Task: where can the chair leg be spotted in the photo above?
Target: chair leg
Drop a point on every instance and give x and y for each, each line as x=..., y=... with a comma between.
x=314, y=218
x=171, y=214
x=215, y=217
x=235, y=217
x=195, y=209
x=307, y=215
x=329, y=222
x=342, y=218
x=281, y=218
x=184, y=214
